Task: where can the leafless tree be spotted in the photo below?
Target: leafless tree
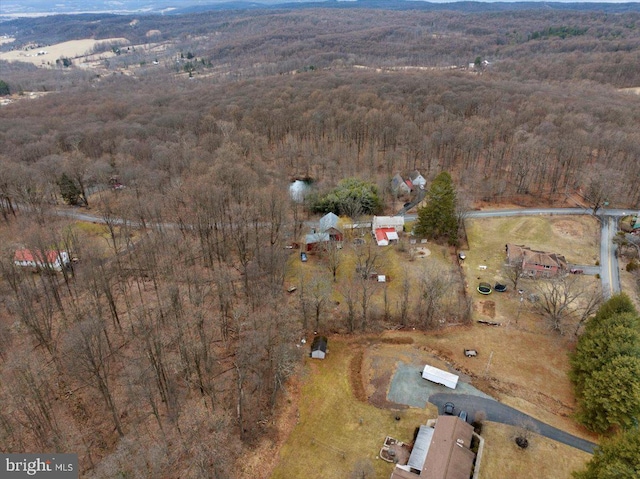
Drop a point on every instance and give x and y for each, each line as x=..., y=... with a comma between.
x=332, y=254
x=88, y=358
x=558, y=299
x=319, y=293
x=31, y=385
x=433, y=288
x=363, y=469
x=513, y=271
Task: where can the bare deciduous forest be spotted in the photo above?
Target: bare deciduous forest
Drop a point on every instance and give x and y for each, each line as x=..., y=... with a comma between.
x=175, y=325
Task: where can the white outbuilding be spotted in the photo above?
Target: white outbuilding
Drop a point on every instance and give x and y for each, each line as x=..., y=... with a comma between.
x=440, y=377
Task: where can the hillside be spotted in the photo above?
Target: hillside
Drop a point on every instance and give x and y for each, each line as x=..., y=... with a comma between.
x=177, y=321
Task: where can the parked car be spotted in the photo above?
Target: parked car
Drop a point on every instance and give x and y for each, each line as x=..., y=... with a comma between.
x=463, y=415
x=576, y=271
x=448, y=408
x=303, y=256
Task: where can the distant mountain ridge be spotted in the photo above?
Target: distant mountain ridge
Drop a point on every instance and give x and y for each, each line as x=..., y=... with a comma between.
x=15, y=8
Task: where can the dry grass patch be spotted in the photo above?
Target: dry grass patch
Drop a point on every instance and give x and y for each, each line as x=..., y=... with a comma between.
x=545, y=458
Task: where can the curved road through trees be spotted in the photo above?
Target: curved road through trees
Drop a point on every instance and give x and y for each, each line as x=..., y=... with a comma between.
x=609, y=269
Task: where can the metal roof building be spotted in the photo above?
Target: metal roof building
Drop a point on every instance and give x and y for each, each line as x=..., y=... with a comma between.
x=440, y=377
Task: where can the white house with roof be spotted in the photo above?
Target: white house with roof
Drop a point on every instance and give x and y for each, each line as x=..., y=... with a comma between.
x=52, y=260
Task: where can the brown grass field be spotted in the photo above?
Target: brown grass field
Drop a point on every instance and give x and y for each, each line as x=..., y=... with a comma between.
x=502, y=458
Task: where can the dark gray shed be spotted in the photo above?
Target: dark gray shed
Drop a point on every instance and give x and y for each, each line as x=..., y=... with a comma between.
x=319, y=347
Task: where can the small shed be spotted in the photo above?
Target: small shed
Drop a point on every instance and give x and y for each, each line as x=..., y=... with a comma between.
x=440, y=377
x=319, y=347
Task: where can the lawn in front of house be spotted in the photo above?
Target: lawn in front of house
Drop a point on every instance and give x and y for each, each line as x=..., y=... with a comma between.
x=543, y=458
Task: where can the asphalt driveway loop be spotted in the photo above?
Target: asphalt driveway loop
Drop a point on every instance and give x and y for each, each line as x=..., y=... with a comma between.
x=407, y=386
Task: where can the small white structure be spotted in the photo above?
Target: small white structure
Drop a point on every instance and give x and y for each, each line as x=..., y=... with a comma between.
x=440, y=377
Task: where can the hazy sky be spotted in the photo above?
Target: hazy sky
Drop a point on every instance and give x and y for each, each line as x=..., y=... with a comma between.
x=9, y=7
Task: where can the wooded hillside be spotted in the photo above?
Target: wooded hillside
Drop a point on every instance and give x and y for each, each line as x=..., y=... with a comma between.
x=175, y=324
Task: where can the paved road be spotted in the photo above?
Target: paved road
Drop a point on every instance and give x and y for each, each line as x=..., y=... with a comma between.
x=609, y=272
x=609, y=269
x=497, y=412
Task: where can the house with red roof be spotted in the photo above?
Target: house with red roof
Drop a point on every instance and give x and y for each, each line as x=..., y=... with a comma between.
x=49, y=260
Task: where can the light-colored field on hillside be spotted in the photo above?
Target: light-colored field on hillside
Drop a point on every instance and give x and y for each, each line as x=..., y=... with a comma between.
x=71, y=49
x=543, y=458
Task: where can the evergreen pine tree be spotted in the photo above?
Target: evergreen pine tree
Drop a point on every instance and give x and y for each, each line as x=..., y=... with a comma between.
x=69, y=190
x=437, y=219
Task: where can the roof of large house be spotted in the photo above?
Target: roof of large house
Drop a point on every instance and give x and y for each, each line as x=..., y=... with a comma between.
x=449, y=456
x=37, y=256
x=530, y=256
x=441, y=452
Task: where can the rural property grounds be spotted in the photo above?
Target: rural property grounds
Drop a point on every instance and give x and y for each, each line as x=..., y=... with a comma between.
x=349, y=402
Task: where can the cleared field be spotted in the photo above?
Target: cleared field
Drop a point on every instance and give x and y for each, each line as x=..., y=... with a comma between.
x=71, y=49
x=543, y=458
x=575, y=237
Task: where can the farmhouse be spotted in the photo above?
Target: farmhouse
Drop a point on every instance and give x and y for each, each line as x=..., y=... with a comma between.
x=328, y=230
x=385, y=236
x=399, y=186
x=386, y=228
x=52, y=260
x=535, y=263
x=440, y=452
